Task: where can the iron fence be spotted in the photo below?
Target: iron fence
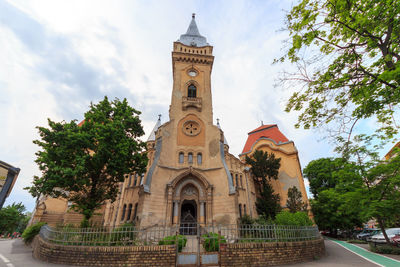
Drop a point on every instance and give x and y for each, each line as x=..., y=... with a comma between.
x=263, y=233
x=130, y=236
x=105, y=236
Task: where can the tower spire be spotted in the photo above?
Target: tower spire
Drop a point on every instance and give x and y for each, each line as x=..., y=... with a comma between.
x=192, y=37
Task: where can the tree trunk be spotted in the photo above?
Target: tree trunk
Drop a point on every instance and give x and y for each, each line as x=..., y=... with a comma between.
x=380, y=221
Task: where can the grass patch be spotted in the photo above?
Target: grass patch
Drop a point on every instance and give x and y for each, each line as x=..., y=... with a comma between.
x=384, y=249
x=356, y=241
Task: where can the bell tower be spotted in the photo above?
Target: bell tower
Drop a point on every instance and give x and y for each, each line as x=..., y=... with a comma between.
x=192, y=62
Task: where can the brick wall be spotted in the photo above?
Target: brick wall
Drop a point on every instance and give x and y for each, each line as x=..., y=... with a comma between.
x=104, y=256
x=268, y=254
x=242, y=254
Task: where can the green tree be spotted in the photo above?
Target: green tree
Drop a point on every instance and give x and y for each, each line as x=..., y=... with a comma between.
x=330, y=180
x=84, y=163
x=347, y=54
x=321, y=173
x=11, y=217
x=268, y=203
x=295, y=200
x=365, y=188
x=379, y=192
x=265, y=167
x=331, y=211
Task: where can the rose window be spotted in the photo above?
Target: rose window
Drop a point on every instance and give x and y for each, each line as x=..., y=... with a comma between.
x=191, y=128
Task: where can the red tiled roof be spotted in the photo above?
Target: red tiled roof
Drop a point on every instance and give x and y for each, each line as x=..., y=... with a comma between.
x=270, y=131
x=80, y=124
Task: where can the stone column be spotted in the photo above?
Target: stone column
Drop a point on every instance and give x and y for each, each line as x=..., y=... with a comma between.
x=202, y=211
x=176, y=211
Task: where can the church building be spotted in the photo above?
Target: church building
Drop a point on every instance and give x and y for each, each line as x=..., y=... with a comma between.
x=191, y=177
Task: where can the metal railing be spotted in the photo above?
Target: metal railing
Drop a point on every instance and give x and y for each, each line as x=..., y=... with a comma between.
x=263, y=233
x=105, y=236
x=130, y=236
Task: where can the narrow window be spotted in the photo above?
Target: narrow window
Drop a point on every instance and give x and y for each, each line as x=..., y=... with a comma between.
x=237, y=184
x=135, y=180
x=241, y=181
x=244, y=209
x=129, y=212
x=192, y=91
x=190, y=157
x=123, y=213
x=233, y=180
x=181, y=157
x=130, y=180
x=240, y=210
x=141, y=178
x=199, y=158
x=135, y=212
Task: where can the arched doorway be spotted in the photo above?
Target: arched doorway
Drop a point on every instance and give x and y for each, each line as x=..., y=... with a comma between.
x=189, y=194
x=189, y=211
x=188, y=218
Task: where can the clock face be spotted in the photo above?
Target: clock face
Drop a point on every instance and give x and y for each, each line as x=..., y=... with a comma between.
x=192, y=73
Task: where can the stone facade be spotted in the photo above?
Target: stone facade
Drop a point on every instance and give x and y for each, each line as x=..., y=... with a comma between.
x=191, y=175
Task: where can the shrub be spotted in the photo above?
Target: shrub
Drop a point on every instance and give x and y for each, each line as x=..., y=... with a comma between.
x=246, y=220
x=384, y=249
x=299, y=218
x=357, y=241
x=30, y=232
x=171, y=240
x=124, y=235
x=211, y=241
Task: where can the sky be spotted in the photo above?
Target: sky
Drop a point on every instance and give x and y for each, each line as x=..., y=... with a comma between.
x=57, y=57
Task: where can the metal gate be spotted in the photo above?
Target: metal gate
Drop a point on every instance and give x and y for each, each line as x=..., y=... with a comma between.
x=197, y=246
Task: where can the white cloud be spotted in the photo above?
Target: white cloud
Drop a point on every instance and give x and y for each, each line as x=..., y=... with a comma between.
x=58, y=56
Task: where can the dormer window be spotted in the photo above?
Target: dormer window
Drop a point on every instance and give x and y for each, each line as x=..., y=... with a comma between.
x=192, y=91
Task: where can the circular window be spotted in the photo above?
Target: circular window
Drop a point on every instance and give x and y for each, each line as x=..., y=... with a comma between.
x=192, y=73
x=191, y=128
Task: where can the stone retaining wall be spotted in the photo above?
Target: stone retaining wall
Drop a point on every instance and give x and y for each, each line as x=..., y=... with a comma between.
x=268, y=254
x=104, y=256
x=241, y=254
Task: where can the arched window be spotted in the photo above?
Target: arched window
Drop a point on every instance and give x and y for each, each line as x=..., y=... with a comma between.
x=199, y=158
x=181, y=157
x=240, y=210
x=129, y=212
x=241, y=181
x=135, y=180
x=237, y=183
x=244, y=209
x=190, y=157
x=192, y=91
x=130, y=180
x=135, y=212
x=123, y=213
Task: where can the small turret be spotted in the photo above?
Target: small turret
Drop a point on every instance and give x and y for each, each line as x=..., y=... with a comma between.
x=152, y=136
x=219, y=127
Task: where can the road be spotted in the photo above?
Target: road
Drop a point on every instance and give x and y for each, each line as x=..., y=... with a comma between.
x=13, y=253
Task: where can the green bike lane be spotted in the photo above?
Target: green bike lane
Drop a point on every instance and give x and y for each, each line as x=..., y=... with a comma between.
x=368, y=255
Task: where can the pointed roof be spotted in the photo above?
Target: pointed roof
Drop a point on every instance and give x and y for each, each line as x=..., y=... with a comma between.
x=152, y=136
x=219, y=127
x=270, y=131
x=192, y=36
